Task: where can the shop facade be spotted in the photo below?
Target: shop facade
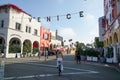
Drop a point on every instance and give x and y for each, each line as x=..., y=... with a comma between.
x=17, y=29
x=111, y=22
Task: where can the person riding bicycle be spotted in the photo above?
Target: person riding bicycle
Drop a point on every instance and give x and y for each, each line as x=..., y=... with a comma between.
x=59, y=57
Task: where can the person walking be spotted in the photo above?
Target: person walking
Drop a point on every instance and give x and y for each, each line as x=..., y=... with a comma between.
x=39, y=54
x=46, y=54
x=78, y=57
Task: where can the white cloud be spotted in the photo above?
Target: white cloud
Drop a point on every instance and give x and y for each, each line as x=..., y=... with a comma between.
x=91, y=30
x=90, y=19
x=67, y=33
x=92, y=33
x=92, y=22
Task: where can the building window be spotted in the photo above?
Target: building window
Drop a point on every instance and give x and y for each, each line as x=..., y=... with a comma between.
x=2, y=23
x=29, y=29
x=113, y=15
x=35, y=31
x=18, y=26
x=26, y=28
x=46, y=36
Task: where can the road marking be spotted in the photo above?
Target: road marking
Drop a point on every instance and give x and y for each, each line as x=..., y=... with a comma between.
x=31, y=62
x=46, y=75
x=106, y=65
x=77, y=69
x=69, y=61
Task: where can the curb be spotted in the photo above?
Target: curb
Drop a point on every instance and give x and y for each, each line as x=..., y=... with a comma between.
x=117, y=68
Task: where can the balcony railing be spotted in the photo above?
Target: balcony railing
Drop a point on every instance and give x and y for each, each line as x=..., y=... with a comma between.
x=114, y=24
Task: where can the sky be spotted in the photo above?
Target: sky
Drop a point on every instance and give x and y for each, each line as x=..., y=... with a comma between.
x=82, y=29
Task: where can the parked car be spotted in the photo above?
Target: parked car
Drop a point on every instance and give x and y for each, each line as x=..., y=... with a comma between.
x=50, y=52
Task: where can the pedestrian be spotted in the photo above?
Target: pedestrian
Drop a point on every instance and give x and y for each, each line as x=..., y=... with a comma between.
x=39, y=54
x=46, y=54
x=78, y=57
x=59, y=57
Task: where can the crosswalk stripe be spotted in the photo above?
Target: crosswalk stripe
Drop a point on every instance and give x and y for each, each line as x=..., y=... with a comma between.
x=64, y=67
x=47, y=75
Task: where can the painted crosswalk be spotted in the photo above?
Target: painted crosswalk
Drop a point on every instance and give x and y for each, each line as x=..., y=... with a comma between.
x=76, y=71
x=48, y=75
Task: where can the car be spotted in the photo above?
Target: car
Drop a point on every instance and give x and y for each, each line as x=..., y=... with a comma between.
x=50, y=52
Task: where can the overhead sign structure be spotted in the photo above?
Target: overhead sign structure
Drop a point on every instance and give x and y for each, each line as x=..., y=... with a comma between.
x=67, y=16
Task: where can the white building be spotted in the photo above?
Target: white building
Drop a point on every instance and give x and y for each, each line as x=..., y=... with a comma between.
x=54, y=41
x=112, y=31
x=16, y=29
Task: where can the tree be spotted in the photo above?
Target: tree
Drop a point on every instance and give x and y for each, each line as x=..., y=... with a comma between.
x=98, y=43
x=92, y=52
x=26, y=48
x=35, y=50
x=79, y=47
x=14, y=49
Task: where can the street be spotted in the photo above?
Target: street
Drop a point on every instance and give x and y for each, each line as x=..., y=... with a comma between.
x=35, y=69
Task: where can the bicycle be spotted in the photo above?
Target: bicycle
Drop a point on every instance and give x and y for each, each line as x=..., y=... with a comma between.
x=59, y=68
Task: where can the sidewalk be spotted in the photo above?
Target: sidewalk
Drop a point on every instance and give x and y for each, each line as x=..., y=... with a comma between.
x=27, y=59
x=115, y=66
x=30, y=59
x=36, y=59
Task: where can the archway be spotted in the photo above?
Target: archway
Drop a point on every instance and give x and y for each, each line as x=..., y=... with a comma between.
x=15, y=45
x=110, y=52
x=115, y=38
x=107, y=42
x=115, y=47
x=110, y=40
x=26, y=47
x=35, y=47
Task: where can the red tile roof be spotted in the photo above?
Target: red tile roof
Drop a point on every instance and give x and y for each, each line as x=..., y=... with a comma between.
x=14, y=7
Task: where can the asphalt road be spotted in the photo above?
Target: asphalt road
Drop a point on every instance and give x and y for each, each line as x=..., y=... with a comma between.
x=35, y=69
